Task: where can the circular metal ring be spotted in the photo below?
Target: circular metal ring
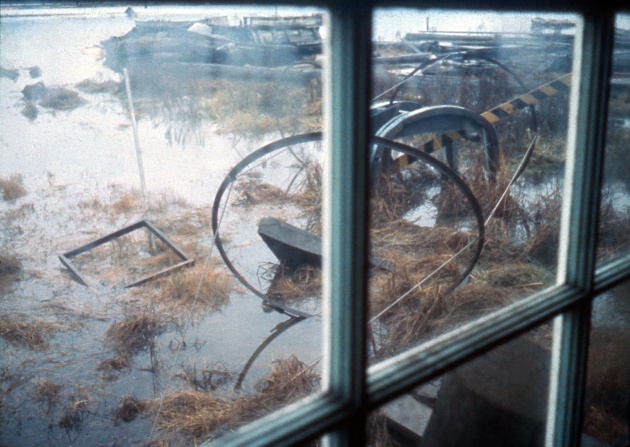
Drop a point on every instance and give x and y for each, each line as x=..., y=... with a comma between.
x=317, y=136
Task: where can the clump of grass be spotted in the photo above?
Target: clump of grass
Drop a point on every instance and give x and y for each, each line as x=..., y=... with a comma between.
x=31, y=334
x=126, y=203
x=545, y=228
x=197, y=415
x=194, y=414
x=308, y=196
x=118, y=362
x=129, y=336
x=428, y=313
x=205, y=379
x=517, y=274
x=47, y=391
x=548, y=159
x=129, y=409
x=292, y=286
x=73, y=413
x=289, y=380
x=253, y=191
x=209, y=288
x=134, y=333
x=13, y=187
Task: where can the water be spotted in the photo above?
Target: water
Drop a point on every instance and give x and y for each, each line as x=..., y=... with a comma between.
x=76, y=164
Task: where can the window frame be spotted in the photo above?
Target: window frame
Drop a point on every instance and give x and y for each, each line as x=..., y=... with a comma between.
x=351, y=390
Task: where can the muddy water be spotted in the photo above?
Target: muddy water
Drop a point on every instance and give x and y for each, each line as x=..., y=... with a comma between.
x=76, y=166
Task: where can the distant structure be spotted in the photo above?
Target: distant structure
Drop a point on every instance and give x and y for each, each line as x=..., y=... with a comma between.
x=540, y=25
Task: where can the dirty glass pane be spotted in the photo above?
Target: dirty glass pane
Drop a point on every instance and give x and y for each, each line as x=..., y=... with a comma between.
x=614, y=226
x=148, y=292
x=497, y=399
x=607, y=397
x=465, y=217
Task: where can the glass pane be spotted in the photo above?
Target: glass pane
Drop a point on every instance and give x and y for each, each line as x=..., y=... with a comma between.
x=614, y=227
x=497, y=399
x=149, y=294
x=465, y=216
x=607, y=406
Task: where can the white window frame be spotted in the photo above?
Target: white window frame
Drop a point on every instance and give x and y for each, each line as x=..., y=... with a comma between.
x=351, y=389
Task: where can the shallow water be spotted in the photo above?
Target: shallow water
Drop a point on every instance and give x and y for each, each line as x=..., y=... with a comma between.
x=76, y=165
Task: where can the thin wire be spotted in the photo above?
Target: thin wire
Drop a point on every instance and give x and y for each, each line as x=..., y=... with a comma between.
x=517, y=173
x=426, y=278
x=190, y=315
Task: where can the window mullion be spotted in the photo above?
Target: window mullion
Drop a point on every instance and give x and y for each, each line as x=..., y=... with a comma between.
x=577, y=264
x=345, y=242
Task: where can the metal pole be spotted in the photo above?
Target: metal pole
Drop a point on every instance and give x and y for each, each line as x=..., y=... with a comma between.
x=143, y=183
x=137, y=142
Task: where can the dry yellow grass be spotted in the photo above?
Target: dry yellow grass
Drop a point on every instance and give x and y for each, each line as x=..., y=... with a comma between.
x=31, y=334
x=196, y=415
x=178, y=291
x=134, y=333
x=291, y=287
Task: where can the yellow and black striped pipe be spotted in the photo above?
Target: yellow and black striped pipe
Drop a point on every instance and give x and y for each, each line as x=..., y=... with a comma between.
x=560, y=85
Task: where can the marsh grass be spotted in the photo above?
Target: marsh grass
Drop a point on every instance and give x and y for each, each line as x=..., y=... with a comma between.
x=73, y=412
x=126, y=203
x=134, y=333
x=209, y=290
x=196, y=415
x=253, y=109
x=48, y=392
x=13, y=187
x=520, y=246
x=307, y=195
x=544, y=227
x=291, y=286
x=548, y=159
x=129, y=409
x=253, y=192
x=29, y=334
x=204, y=379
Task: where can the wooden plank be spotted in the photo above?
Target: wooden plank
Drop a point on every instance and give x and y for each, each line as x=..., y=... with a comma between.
x=294, y=246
